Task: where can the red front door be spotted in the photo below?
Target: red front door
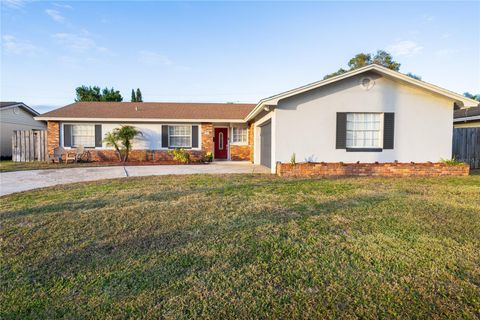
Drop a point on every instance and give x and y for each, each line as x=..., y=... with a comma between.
x=221, y=143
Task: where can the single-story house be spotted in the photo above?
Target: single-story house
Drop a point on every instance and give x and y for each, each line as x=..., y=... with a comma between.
x=371, y=114
x=16, y=116
x=467, y=118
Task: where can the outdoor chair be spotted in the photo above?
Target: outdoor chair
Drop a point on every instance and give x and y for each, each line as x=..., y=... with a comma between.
x=57, y=155
x=80, y=152
x=70, y=155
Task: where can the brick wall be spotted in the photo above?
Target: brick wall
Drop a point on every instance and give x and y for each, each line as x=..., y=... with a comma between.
x=370, y=169
x=239, y=152
x=251, y=138
x=207, y=137
x=53, y=136
x=138, y=155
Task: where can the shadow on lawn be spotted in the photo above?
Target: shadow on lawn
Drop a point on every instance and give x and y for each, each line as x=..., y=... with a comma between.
x=171, y=264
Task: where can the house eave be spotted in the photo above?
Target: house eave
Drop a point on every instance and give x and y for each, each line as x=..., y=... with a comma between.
x=150, y=120
x=273, y=100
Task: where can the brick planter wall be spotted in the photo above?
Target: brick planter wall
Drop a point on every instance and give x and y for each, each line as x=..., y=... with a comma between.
x=370, y=169
x=139, y=155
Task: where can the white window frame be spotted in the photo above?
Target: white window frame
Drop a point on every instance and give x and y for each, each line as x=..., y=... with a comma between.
x=170, y=146
x=62, y=134
x=380, y=132
x=239, y=142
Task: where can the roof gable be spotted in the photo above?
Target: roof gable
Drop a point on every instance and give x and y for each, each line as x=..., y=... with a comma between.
x=12, y=104
x=273, y=100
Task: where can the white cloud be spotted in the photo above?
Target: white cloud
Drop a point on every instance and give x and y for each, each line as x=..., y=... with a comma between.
x=55, y=15
x=446, y=52
x=14, y=46
x=15, y=4
x=81, y=42
x=404, y=48
x=62, y=5
x=154, y=58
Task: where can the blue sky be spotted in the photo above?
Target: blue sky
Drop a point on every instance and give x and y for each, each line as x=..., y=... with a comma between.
x=224, y=51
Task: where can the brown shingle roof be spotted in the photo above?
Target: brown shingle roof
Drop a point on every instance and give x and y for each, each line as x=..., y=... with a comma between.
x=464, y=113
x=152, y=110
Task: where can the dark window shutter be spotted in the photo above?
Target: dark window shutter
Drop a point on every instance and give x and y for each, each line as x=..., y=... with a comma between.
x=98, y=136
x=164, y=136
x=67, y=135
x=388, y=130
x=194, y=136
x=341, y=141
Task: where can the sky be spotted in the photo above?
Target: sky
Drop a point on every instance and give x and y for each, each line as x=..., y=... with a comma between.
x=224, y=51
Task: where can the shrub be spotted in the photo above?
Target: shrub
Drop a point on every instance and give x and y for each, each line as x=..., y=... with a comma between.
x=452, y=162
x=208, y=157
x=293, y=159
x=180, y=155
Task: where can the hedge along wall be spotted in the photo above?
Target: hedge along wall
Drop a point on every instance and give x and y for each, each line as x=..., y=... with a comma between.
x=371, y=169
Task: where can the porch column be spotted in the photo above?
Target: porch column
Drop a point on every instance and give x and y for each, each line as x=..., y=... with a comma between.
x=53, y=136
x=207, y=137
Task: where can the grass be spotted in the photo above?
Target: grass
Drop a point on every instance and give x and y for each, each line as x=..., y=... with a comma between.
x=8, y=165
x=243, y=246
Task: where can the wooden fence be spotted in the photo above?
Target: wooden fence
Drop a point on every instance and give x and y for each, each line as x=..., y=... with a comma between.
x=466, y=146
x=29, y=145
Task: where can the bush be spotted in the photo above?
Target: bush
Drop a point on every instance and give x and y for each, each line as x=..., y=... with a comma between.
x=208, y=157
x=293, y=159
x=452, y=162
x=180, y=155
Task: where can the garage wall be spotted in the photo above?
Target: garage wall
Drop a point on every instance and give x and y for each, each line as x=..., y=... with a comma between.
x=306, y=124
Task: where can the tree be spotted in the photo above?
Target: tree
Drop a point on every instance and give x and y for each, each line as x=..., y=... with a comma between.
x=414, y=76
x=111, y=95
x=385, y=59
x=382, y=58
x=334, y=74
x=360, y=60
x=121, y=139
x=85, y=93
x=134, y=98
x=139, y=95
x=472, y=96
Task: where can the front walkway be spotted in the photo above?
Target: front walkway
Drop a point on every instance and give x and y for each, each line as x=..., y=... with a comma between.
x=17, y=181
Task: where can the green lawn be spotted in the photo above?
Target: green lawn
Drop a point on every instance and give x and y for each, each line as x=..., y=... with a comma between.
x=7, y=165
x=243, y=246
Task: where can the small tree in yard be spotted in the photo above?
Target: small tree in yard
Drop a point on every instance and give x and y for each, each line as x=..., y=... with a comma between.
x=134, y=97
x=121, y=139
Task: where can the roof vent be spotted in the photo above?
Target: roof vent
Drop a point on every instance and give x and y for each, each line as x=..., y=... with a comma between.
x=136, y=108
x=367, y=83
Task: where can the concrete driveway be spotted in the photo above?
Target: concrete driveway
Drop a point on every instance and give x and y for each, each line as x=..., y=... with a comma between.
x=17, y=181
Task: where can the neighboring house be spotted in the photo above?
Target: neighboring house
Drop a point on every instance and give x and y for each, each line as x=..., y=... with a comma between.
x=369, y=114
x=467, y=118
x=15, y=116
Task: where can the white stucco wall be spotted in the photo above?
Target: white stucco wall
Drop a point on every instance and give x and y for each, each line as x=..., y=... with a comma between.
x=306, y=124
x=10, y=121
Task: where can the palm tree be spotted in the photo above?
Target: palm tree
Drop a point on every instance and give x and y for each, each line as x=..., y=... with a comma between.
x=112, y=140
x=121, y=139
x=126, y=134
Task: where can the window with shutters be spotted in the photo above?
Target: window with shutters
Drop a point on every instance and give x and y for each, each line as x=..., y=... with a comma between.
x=239, y=135
x=179, y=136
x=83, y=135
x=364, y=130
